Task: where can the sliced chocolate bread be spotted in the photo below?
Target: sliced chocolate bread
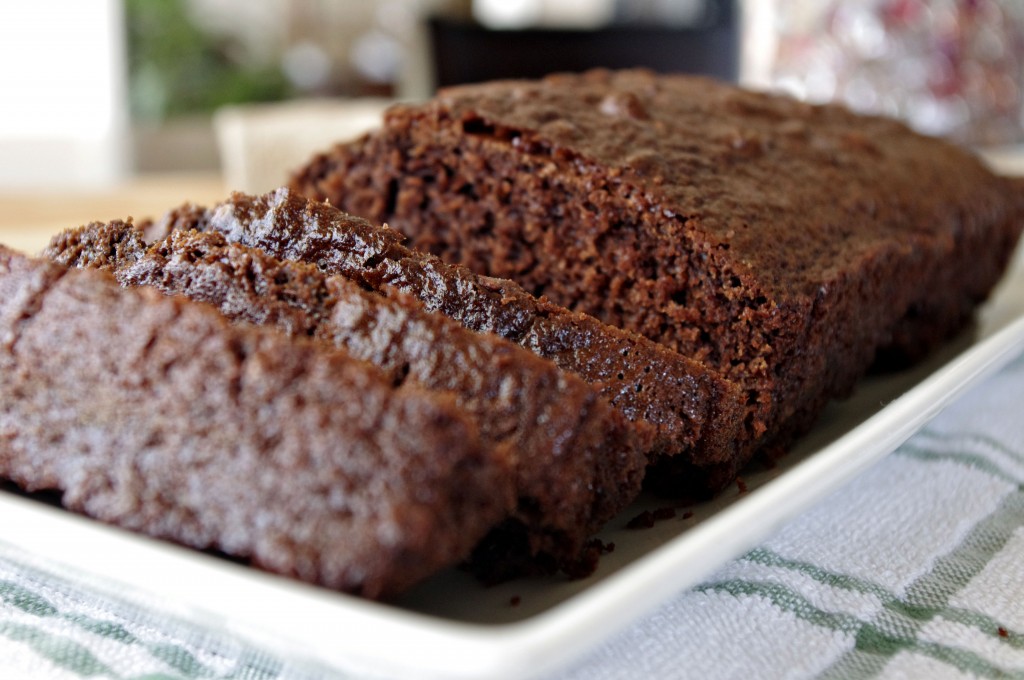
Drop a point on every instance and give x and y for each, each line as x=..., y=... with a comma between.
x=158, y=415
x=578, y=462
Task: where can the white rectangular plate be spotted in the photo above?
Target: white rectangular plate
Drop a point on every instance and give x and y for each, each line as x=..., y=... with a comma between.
x=451, y=626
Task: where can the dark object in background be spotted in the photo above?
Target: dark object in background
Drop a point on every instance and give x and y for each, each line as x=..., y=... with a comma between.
x=465, y=52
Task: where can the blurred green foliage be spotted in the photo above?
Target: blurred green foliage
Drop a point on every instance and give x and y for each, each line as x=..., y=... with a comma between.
x=176, y=68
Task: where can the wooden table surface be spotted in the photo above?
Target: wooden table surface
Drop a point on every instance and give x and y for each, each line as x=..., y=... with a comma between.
x=28, y=218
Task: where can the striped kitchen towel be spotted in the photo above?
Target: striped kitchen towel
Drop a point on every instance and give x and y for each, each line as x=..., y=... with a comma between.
x=913, y=570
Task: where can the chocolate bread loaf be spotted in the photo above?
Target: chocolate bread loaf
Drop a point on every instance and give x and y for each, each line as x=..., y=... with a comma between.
x=785, y=244
x=697, y=415
x=156, y=414
x=578, y=462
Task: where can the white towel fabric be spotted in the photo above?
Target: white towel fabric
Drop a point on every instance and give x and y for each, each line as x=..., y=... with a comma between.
x=913, y=570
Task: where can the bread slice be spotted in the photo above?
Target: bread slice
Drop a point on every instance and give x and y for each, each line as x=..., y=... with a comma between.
x=698, y=417
x=785, y=244
x=158, y=415
x=578, y=462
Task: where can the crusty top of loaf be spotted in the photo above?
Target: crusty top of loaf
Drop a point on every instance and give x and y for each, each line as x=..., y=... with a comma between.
x=730, y=164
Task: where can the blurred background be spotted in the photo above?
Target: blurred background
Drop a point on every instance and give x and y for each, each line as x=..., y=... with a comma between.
x=98, y=92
